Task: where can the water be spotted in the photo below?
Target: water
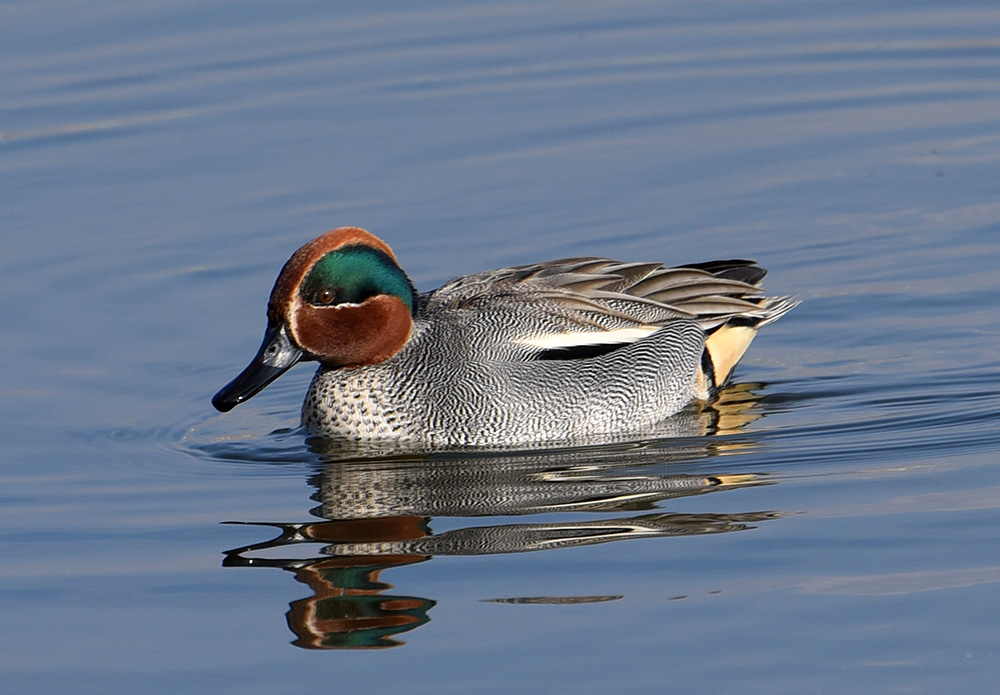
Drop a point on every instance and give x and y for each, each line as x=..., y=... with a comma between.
x=830, y=527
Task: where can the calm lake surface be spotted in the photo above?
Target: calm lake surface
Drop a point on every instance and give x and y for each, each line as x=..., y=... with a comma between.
x=830, y=526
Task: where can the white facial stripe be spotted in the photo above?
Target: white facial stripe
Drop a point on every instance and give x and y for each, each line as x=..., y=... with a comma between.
x=565, y=340
x=291, y=311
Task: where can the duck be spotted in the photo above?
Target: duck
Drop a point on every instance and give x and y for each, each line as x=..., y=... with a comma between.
x=560, y=351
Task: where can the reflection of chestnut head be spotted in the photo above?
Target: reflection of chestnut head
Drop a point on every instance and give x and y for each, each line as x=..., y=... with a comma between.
x=347, y=609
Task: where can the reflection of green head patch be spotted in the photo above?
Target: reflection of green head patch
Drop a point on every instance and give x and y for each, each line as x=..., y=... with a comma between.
x=352, y=274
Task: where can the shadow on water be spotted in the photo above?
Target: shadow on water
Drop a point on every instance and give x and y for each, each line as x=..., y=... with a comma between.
x=377, y=514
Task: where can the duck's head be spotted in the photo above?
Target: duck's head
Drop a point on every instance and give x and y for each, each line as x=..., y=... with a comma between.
x=341, y=299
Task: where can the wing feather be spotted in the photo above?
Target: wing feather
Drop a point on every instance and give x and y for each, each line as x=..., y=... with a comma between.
x=577, y=302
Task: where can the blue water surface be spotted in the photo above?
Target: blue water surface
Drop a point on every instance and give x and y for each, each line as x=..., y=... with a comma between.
x=829, y=526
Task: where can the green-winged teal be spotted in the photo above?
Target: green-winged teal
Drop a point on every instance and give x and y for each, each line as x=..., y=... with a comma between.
x=554, y=351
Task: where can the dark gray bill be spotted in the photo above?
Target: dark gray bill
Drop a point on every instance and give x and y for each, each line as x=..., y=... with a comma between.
x=277, y=355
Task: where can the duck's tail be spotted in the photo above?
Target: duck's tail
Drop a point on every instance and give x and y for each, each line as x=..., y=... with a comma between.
x=729, y=333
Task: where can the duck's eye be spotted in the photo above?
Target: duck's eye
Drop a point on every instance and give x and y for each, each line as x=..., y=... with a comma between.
x=325, y=296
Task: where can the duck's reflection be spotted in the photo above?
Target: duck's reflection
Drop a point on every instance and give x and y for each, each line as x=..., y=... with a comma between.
x=378, y=515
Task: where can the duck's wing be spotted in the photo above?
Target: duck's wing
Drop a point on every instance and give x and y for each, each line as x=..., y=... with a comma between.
x=578, y=307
